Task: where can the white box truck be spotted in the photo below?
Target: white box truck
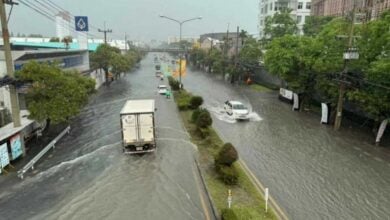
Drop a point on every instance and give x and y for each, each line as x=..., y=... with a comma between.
x=138, y=128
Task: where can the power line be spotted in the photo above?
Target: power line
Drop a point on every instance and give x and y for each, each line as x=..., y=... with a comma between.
x=45, y=13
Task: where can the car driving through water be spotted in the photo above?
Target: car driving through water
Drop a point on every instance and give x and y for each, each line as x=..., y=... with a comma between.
x=237, y=110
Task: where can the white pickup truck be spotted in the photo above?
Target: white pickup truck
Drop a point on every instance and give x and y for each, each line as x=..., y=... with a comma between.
x=138, y=127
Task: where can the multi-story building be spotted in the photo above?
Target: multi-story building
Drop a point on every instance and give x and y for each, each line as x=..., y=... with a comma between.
x=300, y=9
x=369, y=8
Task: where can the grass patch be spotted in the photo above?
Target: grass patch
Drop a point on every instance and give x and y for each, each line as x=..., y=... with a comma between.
x=260, y=88
x=245, y=194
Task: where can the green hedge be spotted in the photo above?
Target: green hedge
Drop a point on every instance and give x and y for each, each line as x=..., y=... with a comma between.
x=183, y=99
x=240, y=214
x=195, y=102
x=175, y=85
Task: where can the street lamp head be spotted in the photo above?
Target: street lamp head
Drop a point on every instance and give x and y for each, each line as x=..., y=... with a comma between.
x=161, y=16
x=200, y=17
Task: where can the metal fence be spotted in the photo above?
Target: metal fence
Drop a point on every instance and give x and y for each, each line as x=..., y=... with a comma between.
x=43, y=152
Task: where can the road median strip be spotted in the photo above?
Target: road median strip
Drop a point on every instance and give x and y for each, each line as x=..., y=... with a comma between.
x=247, y=196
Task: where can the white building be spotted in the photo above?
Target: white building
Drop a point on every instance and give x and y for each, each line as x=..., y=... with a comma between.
x=300, y=10
x=63, y=20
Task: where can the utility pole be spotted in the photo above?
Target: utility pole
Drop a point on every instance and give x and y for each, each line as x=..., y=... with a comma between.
x=237, y=36
x=343, y=82
x=225, y=54
x=125, y=42
x=8, y=60
x=105, y=31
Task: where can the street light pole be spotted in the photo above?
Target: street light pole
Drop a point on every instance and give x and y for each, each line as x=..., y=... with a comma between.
x=180, y=38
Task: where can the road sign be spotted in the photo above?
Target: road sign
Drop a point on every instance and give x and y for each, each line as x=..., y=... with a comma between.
x=81, y=23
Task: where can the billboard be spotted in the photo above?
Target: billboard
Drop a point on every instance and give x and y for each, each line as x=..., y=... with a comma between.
x=16, y=147
x=4, y=157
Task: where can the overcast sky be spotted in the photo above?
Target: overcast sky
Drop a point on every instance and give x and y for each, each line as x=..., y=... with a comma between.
x=139, y=18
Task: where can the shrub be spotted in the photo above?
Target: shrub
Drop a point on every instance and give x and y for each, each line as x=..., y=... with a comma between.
x=195, y=102
x=196, y=113
x=227, y=155
x=175, y=85
x=183, y=100
x=240, y=213
x=204, y=119
x=228, y=174
x=228, y=214
x=204, y=132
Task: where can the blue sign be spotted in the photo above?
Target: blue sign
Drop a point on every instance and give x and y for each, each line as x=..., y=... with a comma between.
x=81, y=23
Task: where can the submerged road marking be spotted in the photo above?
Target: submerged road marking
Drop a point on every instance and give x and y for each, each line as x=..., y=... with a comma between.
x=205, y=209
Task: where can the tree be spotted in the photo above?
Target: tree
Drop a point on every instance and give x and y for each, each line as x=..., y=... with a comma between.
x=314, y=24
x=67, y=39
x=55, y=94
x=250, y=53
x=119, y=64
x=293, y=58
x=373, y=84
x=280, y=24
x=214, y=60
x=54, y=39
x=374, y=93
x=330, y=62
x=102, y=58
x=243, y=35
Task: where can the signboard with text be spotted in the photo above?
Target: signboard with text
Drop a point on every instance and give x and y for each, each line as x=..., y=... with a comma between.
x=4, y=157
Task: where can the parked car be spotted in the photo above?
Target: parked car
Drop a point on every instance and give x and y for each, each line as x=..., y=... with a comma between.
x=162, y=89
x=158, y=73
x=236, y=109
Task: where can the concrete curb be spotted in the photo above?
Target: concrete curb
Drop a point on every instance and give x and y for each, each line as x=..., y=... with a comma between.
x=213, y=208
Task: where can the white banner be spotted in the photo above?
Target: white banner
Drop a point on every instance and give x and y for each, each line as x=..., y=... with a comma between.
x=286, y=94
x=381, y=130
x=4, y=157
x=325, y=113
x=296, y=102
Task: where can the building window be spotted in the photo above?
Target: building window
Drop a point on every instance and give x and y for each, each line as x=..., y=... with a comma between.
x=270, y=6
x=279, y=6
x=300, y=5
x=308, y=5
x=266, y=9
x=299, y=19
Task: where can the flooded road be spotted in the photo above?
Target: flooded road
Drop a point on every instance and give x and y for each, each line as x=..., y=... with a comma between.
x=88, y=177
x=312, y=171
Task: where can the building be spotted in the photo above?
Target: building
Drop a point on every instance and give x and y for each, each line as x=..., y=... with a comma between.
x=209, y=42
x=177, y=39
x=368, y=8
x=300, y=10
x=63, y=22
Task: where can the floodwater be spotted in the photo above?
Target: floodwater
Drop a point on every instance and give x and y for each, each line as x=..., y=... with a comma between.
x=312, y=171
x=88, y=177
